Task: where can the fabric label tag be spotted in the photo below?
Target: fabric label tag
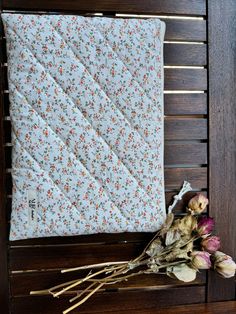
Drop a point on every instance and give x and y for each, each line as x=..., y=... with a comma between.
x=32, y=207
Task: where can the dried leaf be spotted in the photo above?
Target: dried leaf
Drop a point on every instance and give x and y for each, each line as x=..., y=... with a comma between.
x=172, y=236
x=181, y=272
x=155, y=248
x=177, y=254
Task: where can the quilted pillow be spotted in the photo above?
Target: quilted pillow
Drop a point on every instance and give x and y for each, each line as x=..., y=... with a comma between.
x=86, y=105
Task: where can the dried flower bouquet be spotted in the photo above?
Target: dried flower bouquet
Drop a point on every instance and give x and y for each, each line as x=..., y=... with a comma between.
x=181, y=248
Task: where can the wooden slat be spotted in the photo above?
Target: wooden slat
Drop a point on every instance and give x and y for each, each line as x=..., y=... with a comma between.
x=114, y=301
x=185, y=54
x=185, y=154
x=22, y=284
x=193, y=154
x=228, y=307
x=179, y=79
x=174, y=178
x=185, y=79
x=222, y=134
x=186, y=30
x=64, y=256
x=185, y=129
x=190, y=7
x=175, y=104
x=180, y=55
x=175, y=129
x=185, y=104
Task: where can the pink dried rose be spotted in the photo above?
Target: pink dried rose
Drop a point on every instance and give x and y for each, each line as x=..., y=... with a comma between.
x=205, y=225
x=211, y=244
x=224, y=264
x=198, y=203
x=201, y=260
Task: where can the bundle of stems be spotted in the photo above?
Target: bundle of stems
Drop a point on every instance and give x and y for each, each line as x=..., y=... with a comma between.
x=181, y=248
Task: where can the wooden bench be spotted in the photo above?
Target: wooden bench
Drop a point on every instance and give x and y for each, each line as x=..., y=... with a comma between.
x=200, y=146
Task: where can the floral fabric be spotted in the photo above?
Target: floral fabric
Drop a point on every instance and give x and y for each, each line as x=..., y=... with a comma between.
x=86, y=98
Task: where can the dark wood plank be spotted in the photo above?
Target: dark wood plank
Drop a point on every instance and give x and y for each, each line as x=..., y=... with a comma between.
x=186, y=30
x=187, y=154
x=185, y=104
x=228, y=307
x=180, y=79
x=174, y=177
x=114, y=301
x=190, y=7
x=22, y=284
x=193, y=154
x=222, y=134
x=178, y=54
x=185, y=129
x=4, y=289
x=185, y=54
x=175, y=104
x=185, y=79
x=175, y=129
x=64, y=256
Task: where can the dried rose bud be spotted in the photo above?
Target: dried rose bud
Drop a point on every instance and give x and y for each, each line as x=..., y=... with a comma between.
x=205, y=225
x=224, y=264
x=211, y=244
x=200, y=260
x=197, y=204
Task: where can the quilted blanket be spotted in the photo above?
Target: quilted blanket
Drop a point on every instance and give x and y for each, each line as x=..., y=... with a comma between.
x=86, y=105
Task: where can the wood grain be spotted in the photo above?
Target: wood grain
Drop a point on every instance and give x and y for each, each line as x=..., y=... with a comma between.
x=175, y=55
x=185, y=154
x=193, y=154
x=176, y=79
x=185, y=79
x=114, y=301
x=185, y=129
x=174, y=128
x=185, y=54
x=174, y=104
x=190, y=7
x=185, y=104
x=222, y=134
x=228, y=307
x=22, y=284
x=174, y=178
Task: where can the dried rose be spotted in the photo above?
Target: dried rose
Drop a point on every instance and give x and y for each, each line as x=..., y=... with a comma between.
x=205, y=225
x=200, y=260
x=211, y=244
x=197, y=204
x=224, y=264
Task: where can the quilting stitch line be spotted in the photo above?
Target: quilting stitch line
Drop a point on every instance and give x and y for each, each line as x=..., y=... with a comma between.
x=70, y=152
x=99, y=85
x=49, y=177
x=139, y=184
x=76, y=158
